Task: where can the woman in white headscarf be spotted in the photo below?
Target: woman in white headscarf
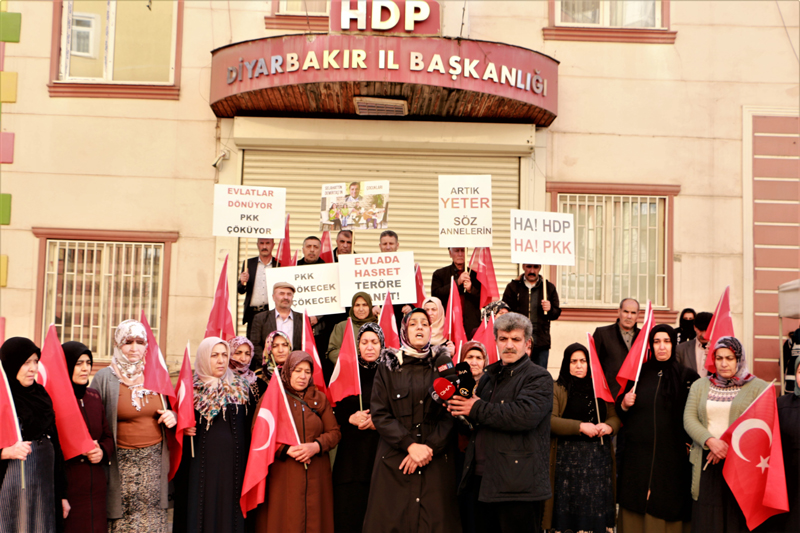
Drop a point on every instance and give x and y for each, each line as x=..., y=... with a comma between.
x=139, y=467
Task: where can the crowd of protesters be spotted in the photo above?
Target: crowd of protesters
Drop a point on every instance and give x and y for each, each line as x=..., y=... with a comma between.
x=517, y=452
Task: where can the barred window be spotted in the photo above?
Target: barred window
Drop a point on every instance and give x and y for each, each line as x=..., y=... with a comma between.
x=620, y=251
x=92, y=286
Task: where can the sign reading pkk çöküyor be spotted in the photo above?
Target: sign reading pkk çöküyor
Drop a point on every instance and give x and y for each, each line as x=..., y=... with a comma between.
x=542, y=238
x=377, y=274
x=465, y=211
x=245, y=211
x=316, y=288
x=354, y=205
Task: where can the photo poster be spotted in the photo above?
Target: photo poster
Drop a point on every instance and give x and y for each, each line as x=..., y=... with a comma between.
x=465, y=211
x=542, y=238
x=355, y=205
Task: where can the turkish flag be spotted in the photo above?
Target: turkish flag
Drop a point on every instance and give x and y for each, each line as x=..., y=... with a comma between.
x=754, y=463
x=454, y=316
x=420, y=285
x=599, y=382
x=293, y=261
x=345, y=379
x=481, y=263
x=274, y=425
x=54, y=377
x=184, y=411
x=391, y=338
x=638, y=354
x=326, y=253
x=485, y=335
x=220, y=321
x=721, y=325
x=9, y=425
x=284, y=255
x=310, y=347
x=156, y=375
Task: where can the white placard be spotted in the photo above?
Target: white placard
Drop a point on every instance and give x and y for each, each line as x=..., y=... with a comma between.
x=377, y=274
x=465, y=211
x=354, y=205
x=316, y=287
x=254, y=212
x=542, y=238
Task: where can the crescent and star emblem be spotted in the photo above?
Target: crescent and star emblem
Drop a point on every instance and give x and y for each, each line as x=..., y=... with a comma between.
x=744, y=427
x=266, y=414
x=42, y=374
x=181, y=392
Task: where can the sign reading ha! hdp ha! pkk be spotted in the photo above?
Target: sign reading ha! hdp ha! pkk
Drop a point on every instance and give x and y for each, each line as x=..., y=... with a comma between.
x=316, y=288
x=244, y=211
x=465, y=211
x=377, y=274
x=542, y=238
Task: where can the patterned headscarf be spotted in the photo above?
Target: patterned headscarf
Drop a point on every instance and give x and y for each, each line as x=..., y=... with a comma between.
x=492, y=309
x=405, y=344
x=243, y=369
x=130, y=373
x=742, y=375
x=437, y=326
x=376, y=329
x=212, y=394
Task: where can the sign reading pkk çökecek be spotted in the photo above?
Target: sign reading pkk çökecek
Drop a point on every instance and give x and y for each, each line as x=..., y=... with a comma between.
x=316, y=288
x=465, y=211
x=377, y=274
x=244, y=211
x=542, y=238
x=354, y=205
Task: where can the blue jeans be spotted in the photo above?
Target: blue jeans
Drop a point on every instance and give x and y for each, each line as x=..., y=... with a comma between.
x=540, y=356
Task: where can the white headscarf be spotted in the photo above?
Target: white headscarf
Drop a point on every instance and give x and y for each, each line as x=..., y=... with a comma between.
x=202, y=363
x=130, y=373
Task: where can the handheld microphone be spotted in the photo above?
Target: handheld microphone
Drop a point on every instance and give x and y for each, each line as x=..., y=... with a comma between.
x=442, y=390
x=453, y=389
x=444, y=366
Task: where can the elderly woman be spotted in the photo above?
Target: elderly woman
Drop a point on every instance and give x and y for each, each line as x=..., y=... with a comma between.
x=655, y=479
x=86, y=476
x=413, y=480
x=299, y=489
x=474, y=354
x=241, y=355
x=356, y=453
x=360, y=313
x=137, y=497
x=581, y=466
x=713, y=405
x=277, y=348
x=32, y=505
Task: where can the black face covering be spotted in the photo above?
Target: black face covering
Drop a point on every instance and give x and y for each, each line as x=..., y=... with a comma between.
x=687, y=326
x=73, y=351
x=33, y=405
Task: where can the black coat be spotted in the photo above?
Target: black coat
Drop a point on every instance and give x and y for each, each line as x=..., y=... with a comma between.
x=513, y=418
x=471, y=308
x=247, y=290
x=655, y=456
x=789, y=416
x=518, y=298
x=612, y=351
x=404, y=413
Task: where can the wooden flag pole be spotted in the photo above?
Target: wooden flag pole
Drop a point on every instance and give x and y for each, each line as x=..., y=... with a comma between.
x=596, y=403
x=22, y=465
x=544, y=289
x=467, y=264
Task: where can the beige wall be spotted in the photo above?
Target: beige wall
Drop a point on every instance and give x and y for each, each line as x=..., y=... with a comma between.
x=629, y=113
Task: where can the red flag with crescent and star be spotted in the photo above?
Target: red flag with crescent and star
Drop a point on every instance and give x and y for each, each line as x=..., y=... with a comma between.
x=754, y=463
x=326, y=252
x=345, y=380
x=284, y=255
x=184, y=411
x=387, y=322
x=156, y=375
x=638, y=354
x=721, y=325
x=220, y=320
x=9, y=425
x=420, y=284
x=485, y=335
x=310, y=347
x=481, y=263
x=274, y=425
x=599, y=382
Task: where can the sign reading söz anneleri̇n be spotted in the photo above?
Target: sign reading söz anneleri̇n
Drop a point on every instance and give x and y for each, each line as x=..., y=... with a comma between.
x=465, y=211
x=377, y=274
x=255, y=212
x=542, y=238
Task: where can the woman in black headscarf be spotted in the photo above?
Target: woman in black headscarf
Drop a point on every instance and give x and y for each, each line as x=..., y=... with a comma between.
x=86, y=476
x=352, y=469
x=686, y=330
x=360, y=313
x=34, y=508
x=581, y=467
x=655, y=478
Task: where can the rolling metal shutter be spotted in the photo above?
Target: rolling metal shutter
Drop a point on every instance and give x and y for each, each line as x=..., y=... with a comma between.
x=413, y=193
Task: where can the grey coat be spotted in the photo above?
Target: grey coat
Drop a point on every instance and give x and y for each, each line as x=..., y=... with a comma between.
x=107, y=384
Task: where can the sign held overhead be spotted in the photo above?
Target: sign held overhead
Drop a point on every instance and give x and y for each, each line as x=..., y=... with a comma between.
x=245, y=211
x=542, y=238
x=465, y=211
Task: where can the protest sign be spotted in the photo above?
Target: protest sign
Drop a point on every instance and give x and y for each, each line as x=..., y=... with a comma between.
x=316, y=288
x=465, y=211
x=354, y=205
x=244, y=211
x=542, y=238
x=377, y=274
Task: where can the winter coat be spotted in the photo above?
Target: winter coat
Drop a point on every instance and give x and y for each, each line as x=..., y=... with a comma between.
x=518, y=297
x=612, y=351
x=300, y=500
x=513, y=415
x=471, y=301
x=404, y=413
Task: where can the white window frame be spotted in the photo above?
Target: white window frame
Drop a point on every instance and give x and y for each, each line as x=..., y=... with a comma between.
x=107, y=43
x=282, y=10
x=92, y=31
x=612, y=248
x=605, y=18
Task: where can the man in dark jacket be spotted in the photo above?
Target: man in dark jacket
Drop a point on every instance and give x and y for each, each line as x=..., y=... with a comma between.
x=253, y=282
x=614, y=341
x=469, y=288
x=506, y=469
x=524, y=296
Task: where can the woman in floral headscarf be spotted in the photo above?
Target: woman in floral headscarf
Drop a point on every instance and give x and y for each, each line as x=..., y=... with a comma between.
x=277, y=348
x=241, y=354
x=714, y=404
x=139, y=467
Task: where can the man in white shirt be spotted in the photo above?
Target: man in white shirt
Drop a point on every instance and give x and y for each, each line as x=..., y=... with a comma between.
x=693, y=352
x=253, y=282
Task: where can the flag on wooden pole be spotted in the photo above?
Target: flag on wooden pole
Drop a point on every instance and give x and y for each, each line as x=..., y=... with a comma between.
x=345, y=379
x=388, y=324
x=220, y=320
x=184, y=411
